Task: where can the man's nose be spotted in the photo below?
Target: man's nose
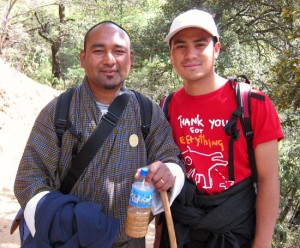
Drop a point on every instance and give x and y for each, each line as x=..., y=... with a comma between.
x=191, y=53
x=109, y=58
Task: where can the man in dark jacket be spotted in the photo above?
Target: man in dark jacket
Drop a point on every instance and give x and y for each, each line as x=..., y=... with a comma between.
x=105, y=184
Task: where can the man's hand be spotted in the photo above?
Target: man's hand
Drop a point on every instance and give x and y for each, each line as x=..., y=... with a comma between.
x=160, y=176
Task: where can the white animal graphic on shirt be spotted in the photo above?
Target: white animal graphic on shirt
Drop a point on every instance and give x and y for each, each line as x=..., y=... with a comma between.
x=215, y=159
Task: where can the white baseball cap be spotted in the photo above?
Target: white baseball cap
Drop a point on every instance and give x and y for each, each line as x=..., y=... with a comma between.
x=193, y=18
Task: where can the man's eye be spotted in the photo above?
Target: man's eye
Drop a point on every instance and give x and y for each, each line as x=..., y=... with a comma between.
x=179, y=46
x=120, y=51
x=201, y=45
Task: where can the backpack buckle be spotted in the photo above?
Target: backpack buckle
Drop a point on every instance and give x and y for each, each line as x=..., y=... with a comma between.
x=111, y=118
x=236, y=134
x=249, y=134
x=61, y=126
x=145, y=130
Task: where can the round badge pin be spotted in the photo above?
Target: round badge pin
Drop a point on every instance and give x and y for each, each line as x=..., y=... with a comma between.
x=133, y=140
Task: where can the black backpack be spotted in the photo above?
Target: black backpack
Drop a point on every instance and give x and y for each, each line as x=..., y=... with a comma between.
x=62, y=123
x=243, y=95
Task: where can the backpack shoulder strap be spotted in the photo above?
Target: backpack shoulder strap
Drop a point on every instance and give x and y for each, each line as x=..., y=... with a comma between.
x=164, y=104
x=146, y=112
x=94, y=142
x=61, y=121
x=231, y=129
x=243, y=95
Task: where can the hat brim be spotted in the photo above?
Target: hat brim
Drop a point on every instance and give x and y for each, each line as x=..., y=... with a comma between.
x=170, y=35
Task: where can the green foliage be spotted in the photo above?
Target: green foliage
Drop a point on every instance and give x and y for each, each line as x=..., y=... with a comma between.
x=286, y=72
x=285, y=237
x=153, y=79
x=73, y=77
x=290, y=163
x=287, y=231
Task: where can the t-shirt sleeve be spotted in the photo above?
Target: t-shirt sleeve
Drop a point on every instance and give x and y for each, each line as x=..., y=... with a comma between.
x=265, y=121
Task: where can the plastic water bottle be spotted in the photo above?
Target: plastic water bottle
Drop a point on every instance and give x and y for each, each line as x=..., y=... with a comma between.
x=138, y=212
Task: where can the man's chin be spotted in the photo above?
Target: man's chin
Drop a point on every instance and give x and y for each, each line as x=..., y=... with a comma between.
x=112, y=86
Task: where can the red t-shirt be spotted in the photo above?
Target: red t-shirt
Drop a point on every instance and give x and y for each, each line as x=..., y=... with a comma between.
x=198, y=128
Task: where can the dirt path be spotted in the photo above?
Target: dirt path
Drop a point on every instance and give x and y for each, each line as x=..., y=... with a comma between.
x=8, y=209
x=21, y=99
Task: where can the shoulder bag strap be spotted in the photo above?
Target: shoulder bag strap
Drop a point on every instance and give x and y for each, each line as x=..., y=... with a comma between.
x=164, y=104
x=61, y=113
x=145, y=111
x=88, y=151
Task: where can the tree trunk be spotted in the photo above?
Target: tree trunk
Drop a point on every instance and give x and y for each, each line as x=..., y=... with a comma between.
x=55, y=46
x=56, y=42
x=56, y=65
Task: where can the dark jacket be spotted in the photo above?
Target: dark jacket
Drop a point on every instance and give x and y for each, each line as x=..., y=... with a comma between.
x=62, y=221
x=225, y=220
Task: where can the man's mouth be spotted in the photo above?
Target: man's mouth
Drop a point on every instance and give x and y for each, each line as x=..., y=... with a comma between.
x=108, y=72
x=191, y=65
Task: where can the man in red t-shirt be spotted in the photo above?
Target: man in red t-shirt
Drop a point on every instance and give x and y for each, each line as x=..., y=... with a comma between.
x=212, y=210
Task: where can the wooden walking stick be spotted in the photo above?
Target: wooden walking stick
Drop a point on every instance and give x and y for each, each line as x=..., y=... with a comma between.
x=170, y=225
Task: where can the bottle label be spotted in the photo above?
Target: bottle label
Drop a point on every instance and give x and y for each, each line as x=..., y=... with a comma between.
x=140, y=198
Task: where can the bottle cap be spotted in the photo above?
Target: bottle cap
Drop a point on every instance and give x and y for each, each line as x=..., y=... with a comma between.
x=144, y=171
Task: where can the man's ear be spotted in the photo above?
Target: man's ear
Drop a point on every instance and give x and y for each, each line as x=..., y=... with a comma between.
x=132, y=59
x=217, y=49
x=82, y=56
x=170, y=52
